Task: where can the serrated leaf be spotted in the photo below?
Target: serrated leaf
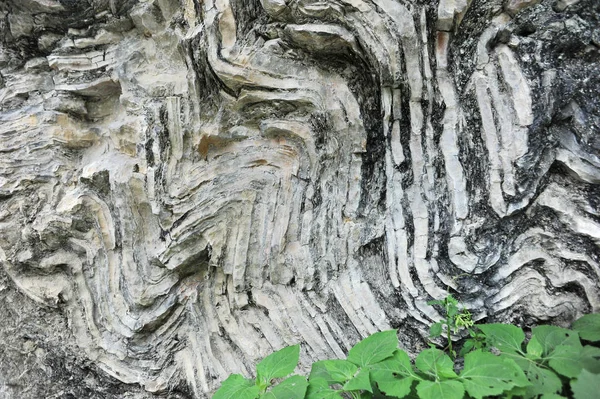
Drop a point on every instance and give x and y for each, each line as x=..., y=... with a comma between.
x=237, y=387
x=451, y=300
x=277, y=365
x=586, y=386
x=333, y=371
x=435, y=363
x=360, y=382
x=566, y=360
x=293, y=387
x=435, y=330
x=590, y=359
x=588, y=327
x=506, y=337
x=485, y=374
x=374, y=348
x=318, y=388
x=534, y=348
x=551, y=336
x=543, y=381
x=440, y=390
x=394, y=376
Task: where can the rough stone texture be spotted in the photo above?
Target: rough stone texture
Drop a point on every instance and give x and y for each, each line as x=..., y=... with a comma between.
x=188, y=185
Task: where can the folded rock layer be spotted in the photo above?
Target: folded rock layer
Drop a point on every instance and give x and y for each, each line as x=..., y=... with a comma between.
x=193, y=184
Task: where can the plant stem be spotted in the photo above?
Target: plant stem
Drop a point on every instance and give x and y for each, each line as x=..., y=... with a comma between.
x=449, y=342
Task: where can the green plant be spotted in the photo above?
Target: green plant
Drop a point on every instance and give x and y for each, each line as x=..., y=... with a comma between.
x=376, y=368
x=455, y=321
x=279, y=364
x=554, y=359
x=553, y=362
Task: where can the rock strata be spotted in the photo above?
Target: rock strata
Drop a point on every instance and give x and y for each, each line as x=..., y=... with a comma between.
x=188, y=185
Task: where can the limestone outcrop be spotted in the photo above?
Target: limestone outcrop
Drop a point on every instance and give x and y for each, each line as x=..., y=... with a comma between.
x=192, y=184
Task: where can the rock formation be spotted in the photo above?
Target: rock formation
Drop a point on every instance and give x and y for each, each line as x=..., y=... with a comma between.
x=188, y=185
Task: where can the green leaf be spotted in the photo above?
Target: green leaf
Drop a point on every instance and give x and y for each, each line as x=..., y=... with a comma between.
x=318, y=388
x=293, y=387
x=543, y=381
x=552, y=396
x=435, y=363
x=450, y=300
x=588, y=327
x=516, y=392
x=467, y=347
x=451, y=307
x=361, y=382
x=435, y=330
x=237, y=387
x=440, y=390
x=485, y=374
x=586, y=386
x=506, y=337
x=551, y=336
x=590, y=359
x=374, y=348
x=534, y=348
x=333, y=371
x=277, y=365
x=394, y=376
x=452, y=311
x=566, y=360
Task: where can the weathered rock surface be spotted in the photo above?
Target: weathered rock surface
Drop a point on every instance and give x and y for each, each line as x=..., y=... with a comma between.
x=188, y=185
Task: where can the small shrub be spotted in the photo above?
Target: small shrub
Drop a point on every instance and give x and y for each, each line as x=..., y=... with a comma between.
x=455, y=321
